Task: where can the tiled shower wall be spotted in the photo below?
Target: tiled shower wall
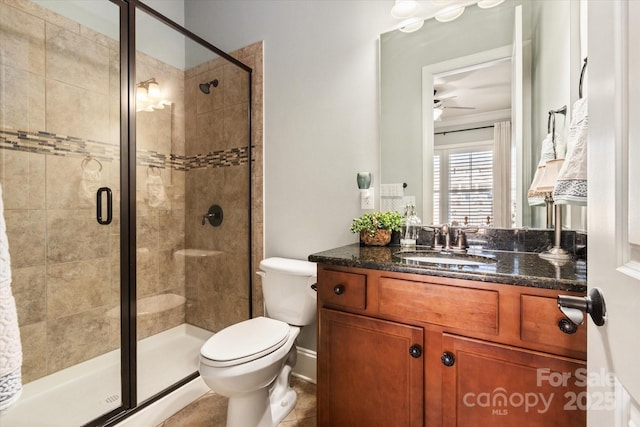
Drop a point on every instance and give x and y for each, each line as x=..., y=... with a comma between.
x=60, y=103
x=216, y=286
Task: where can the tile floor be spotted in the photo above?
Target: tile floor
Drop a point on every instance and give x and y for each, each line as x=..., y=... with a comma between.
x=211, y=410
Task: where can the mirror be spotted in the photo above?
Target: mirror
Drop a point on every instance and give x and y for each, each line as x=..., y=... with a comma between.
x=440, y=56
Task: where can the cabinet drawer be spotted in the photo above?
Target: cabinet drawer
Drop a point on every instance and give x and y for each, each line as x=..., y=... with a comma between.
x=539, y=325
x=340, y=289
x=450, y=306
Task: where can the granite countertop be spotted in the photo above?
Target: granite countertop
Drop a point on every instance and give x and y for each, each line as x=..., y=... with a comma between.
x=507, y=267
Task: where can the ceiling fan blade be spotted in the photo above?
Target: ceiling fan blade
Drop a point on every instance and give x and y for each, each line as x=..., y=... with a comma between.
x=444, y=98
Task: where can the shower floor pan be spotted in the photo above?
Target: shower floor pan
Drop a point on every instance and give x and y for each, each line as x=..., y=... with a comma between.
x=80, y=393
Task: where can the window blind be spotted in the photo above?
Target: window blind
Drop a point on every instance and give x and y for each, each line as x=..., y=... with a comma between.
x=463, y=184
x=471, y=186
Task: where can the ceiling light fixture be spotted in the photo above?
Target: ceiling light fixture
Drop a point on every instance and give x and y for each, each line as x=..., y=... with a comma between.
x=411, y=25
x=450, y=13
x=154, y=89
x=486, y=4
x=437, y=113
x=404, y=8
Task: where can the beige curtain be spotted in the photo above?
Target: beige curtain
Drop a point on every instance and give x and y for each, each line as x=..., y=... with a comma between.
x=502, y=174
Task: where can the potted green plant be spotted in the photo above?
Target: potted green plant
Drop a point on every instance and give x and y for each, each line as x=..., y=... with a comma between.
x=376, y=228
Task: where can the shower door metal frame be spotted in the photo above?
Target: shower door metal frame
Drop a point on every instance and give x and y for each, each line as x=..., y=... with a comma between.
x=128, y=292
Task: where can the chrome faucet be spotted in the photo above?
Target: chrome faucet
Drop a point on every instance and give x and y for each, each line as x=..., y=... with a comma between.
x=447, y=237
x=461, y=240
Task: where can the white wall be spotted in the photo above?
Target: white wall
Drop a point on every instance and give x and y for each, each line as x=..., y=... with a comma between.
x=172, y=9
x=320, y=106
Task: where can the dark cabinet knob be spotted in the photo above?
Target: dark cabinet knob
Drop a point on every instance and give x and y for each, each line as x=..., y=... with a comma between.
x=338, y=289
x=567, y=326
x=447, y=359
x=415, y=351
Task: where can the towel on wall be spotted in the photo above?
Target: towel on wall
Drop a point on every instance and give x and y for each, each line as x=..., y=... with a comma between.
x=571, y=186
x=548, y=153
x=89, y=181
x=10, y=346
x=156, y=193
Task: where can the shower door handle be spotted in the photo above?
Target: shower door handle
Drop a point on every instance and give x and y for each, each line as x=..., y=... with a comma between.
x=102, y=190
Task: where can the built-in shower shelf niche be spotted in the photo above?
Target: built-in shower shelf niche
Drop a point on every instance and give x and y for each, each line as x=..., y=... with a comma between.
x=152, y=304
x=196, y=253
x=158, y=303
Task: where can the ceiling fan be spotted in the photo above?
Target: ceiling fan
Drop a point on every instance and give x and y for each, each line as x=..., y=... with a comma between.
x=439, y=102
x=438, y=105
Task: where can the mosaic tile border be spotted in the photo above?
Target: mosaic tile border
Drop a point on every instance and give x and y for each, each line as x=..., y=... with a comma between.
x=47, y=143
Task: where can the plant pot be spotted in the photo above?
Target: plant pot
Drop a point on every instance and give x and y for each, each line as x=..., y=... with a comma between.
x=380, y=238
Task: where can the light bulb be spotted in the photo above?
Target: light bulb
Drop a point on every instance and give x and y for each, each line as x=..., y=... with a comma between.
x=411, y=25
x=486, y=4
x=404, y=8
x=450, y=13
x=154, y=90
x=141, y=94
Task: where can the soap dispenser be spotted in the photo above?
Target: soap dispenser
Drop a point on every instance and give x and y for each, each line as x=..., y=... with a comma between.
x=412, y=227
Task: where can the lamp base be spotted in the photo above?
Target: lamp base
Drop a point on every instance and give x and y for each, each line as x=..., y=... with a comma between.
x=556, y=253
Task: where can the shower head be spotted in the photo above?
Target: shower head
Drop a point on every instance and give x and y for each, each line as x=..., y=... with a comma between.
x=206, y=87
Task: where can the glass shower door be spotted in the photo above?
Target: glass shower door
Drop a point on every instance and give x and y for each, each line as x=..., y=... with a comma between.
x=192, y=199
x=60, y=172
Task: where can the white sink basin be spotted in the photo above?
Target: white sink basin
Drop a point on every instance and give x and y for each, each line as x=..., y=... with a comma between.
x=443, y=260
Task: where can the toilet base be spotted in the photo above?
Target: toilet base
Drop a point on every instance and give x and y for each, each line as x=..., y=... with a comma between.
x=265, y=407
x=257, y=409
x=249, y=410
x=281, y=408
x=282, y=397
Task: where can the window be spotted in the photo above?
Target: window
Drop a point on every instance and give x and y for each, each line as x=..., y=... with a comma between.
x=463, y=184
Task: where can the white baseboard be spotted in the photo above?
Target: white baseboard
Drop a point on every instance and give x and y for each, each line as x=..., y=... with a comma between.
x=306, y=365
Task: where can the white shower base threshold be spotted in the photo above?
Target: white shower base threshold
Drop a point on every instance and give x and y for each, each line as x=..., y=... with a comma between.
x=80, y=393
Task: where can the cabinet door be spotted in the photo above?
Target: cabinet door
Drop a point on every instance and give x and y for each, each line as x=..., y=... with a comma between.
x=370, y=372
x=498, y=385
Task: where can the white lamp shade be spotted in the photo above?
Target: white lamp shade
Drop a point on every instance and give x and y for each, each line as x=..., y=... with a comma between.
x=141, y=94
x=154, y=90
x=437, y=113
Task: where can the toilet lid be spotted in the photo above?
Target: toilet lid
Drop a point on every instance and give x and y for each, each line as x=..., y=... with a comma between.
x=245, y=341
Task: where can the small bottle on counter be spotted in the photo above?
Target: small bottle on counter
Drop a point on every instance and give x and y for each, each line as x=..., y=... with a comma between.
x=412, y=227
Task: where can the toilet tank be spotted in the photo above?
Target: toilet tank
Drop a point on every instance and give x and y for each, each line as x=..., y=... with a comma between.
x=286, y=286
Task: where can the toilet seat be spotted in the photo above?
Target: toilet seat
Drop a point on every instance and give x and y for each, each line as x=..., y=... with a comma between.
x=244, y=342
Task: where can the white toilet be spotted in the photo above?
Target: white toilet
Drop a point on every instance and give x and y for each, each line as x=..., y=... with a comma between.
x=250, y=362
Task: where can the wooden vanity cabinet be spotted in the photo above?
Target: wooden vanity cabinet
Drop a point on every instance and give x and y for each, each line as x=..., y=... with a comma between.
x=498, y=385
x=371, y=378
x=397, y=349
